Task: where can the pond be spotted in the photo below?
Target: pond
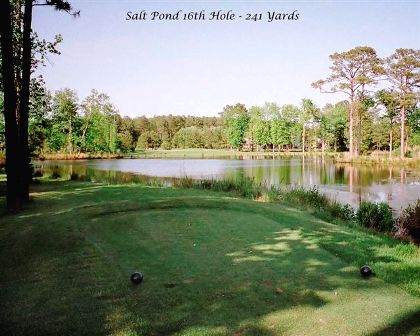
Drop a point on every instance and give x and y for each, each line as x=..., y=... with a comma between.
x=344, y=182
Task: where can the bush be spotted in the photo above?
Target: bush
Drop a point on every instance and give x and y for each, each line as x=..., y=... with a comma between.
x=407, y=226
x=307, y=197
x=345, y=211
x=55, y=175
x=74, y=176
x=377, y=216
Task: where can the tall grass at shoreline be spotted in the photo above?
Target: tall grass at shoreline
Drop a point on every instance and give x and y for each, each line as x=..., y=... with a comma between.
x=295, y=195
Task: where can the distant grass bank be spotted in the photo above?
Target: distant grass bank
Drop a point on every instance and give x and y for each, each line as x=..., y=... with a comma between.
x=381, y=158
x=213, y=153
x=214, y=264
x=79, y=156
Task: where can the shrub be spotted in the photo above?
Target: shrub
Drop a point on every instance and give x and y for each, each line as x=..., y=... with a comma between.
x=377, y=216
x=407, y=226
x=307, y=197
x=55, y=175
x=345, y=211
x=74, y=176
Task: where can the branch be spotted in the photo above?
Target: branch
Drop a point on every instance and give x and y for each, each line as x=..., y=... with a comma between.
x=60, y=5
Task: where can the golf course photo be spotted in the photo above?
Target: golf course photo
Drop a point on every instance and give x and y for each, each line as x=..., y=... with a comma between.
x=215, y=168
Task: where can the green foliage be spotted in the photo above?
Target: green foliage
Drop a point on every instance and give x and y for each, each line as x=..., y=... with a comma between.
x=333, y=125
x=39, y=122
x=64, y=132
x=308, y=197
x=413, y=119
x=148, y=139
x=377, y=216
x=188, y=137
x=408, y=224
x=214, y=137
x=99, y=130
x=259, y=126
x=125, y=142
x=126, y=134
x=345, y=211
x=236, y=121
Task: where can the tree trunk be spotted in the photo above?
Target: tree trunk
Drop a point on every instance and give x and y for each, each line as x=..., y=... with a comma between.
x=390, y=142
x=303, y=139
x=359, y=134
x=25, y=169
x=402, y=154
x=351, y=123
x=70, y=136
x=10, y=101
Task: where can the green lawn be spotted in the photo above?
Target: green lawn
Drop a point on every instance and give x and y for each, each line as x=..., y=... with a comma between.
x=213, y=265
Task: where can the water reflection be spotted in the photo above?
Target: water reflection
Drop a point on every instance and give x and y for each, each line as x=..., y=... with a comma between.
x=346, y=183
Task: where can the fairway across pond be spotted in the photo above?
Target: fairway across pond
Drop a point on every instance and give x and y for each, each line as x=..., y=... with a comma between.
x=213, y=264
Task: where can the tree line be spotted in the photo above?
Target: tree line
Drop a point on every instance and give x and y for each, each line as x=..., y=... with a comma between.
x=60, y=123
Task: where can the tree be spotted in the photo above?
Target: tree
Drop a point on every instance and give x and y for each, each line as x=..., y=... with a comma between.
x=148, y=139
x=352, y=72
x=235, y=120
x=188, y=137
x=309, y=111
x=39, y=121
x=290, y=113
x=64, y=115
x=333, y=123
x=388, y=99
x=413, y=119
x=126, y=134
x=14, y=198
x=99, y=131
x=259, y=127
x=17, y=56
x=403, y=72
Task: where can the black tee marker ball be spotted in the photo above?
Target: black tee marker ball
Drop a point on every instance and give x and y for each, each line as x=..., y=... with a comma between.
x=366, y=271
x=136, y=277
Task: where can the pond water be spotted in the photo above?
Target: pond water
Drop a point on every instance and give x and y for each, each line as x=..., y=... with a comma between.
x=343, y=182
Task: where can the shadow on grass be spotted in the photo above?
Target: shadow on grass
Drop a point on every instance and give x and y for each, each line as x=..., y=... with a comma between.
x=407, y=325
x=65, y=270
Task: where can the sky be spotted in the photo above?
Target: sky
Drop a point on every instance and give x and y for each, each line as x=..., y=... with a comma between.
x=151, y=67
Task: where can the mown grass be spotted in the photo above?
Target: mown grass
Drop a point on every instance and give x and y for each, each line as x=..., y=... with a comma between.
x=214, y=264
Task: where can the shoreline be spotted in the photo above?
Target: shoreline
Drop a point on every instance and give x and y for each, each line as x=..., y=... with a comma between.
x=373, y=159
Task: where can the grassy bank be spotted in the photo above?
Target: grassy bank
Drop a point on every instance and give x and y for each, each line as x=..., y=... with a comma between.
x=214, y=264
x=79, y=156
x=197, y=153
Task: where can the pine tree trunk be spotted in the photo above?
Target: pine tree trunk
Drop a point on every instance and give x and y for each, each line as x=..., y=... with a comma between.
x=303, y=140
x=402, y=149
x=351, y=124
x=10, y=102
x=390, y=142
x=25, y=169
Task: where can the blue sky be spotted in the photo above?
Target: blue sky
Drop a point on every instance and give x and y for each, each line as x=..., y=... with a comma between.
x=197, y=67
